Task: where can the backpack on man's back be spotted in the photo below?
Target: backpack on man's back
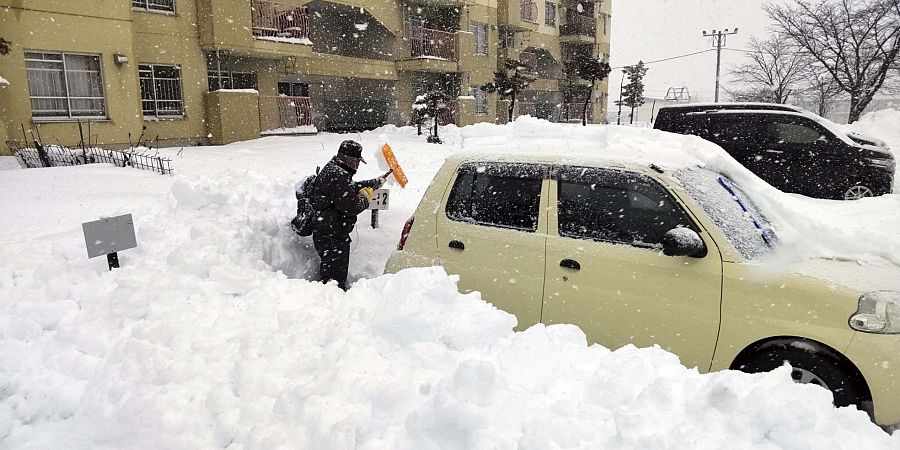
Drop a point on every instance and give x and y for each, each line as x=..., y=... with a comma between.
x=304, y=223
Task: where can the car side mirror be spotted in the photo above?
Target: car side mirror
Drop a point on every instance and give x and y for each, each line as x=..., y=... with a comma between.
x=683, y=241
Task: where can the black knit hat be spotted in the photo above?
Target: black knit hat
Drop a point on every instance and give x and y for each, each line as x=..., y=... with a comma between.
x=351, y=148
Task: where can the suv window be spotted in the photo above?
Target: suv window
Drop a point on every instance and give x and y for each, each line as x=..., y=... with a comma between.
x=619, y=207
x=497, y=194
x=732, y=129
x=792, y=133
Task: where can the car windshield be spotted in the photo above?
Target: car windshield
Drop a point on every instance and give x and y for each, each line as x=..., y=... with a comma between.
x=731, y=209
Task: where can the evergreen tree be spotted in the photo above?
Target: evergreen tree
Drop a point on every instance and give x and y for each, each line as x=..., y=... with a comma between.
x=430, y=105
x=508, y=85
x=590, y=69
x=633, y=96
x=5, y=46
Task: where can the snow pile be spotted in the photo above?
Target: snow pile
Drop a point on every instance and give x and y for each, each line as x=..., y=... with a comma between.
x=4, y=82
x=884, y=125
x=209, y=337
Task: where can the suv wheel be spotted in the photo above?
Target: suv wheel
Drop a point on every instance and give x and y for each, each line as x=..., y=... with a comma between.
x=812, y=368
x=857, y=192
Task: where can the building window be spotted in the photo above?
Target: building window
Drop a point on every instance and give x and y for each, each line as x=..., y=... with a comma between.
x=65, y=85
x=161, y=90
x=480, y=31
x=293, y=89
x=507, y=39
x=231, y=80
x=550, y=14
x=154, y=5
x=481, y=100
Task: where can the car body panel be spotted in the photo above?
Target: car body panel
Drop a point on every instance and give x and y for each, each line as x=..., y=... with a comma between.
x=630, y=295
x=878, y=358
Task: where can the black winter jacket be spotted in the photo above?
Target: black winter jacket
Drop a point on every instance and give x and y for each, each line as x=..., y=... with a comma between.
x=336, y=198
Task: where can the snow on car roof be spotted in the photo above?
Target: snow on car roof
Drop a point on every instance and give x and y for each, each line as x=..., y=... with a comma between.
x=762, y=106
x=535, y=140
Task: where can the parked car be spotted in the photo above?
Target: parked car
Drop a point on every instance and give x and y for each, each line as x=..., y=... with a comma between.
x=793, y=150
x=643, y=255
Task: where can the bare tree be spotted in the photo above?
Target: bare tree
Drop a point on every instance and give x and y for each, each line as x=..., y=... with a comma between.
x=773, y=74
x=855, y=41
x=822, y=91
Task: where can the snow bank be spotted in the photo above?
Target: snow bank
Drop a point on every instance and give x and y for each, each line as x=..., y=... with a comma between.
x=884, y=125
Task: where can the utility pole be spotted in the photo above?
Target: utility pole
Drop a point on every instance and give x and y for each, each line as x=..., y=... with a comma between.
x=619, y=116
x=719, y=37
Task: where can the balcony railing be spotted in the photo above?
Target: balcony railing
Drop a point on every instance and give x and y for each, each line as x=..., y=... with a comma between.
x=283, y=114
x=428, y=43
x=578, y=25
x=528, y=11
x=279, y=22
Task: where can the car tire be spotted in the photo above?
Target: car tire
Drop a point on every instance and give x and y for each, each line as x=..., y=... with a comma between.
x=857, y=192
x=814, y=368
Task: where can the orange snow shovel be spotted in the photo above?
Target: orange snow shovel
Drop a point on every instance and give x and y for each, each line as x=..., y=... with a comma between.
x=394, y=165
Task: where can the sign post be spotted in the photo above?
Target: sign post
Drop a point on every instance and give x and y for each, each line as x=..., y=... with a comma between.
x=379, y=202
x=108, y=236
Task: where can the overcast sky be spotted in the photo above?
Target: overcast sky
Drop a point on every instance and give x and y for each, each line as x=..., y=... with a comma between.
x=656, y=29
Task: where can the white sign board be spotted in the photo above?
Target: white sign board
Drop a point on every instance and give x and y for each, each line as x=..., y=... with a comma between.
x=380, y=200
x=109, y=235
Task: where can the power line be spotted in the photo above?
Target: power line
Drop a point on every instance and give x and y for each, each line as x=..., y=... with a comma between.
x=669, y=59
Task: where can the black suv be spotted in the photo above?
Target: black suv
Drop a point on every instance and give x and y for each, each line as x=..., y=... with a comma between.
x=791, y=149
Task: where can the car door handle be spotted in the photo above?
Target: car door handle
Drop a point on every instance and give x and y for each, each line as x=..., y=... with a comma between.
x=457, y=244
x=774, y=151
x=570, y=264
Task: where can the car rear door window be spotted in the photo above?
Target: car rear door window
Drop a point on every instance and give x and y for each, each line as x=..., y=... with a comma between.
x=497, y=194
x=619, y=207
x=792, y=133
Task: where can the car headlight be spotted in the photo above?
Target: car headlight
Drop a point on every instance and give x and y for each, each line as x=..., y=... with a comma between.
x=878, y=312
x=879, y=162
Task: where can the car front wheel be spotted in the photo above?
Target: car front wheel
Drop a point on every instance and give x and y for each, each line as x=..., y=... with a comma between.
x=812, y=368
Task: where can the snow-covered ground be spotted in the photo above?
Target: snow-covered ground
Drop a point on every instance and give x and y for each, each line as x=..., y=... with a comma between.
x=209, y=335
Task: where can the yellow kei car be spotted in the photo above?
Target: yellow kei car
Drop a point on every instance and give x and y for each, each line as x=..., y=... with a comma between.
x=643, y=255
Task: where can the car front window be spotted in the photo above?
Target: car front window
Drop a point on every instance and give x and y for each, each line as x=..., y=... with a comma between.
x=745, y=227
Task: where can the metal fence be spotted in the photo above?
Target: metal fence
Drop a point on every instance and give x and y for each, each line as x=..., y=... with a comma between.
x=578, y=25
x=277, y=20
x=425, y=42
x=283, y=113
x=34, y=156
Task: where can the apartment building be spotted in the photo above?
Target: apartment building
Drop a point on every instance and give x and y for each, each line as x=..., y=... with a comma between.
x=219, y=71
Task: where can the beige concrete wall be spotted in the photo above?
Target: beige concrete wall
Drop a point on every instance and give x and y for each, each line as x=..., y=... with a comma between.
x=174, y=39
x=232, y=116
x=107, y=32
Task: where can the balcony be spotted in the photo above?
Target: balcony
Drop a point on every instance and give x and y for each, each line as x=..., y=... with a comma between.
x=528, y=11
x=578, y=25
x=273, y=21
x=531, y=60
x=436, y=44
x=285, y=115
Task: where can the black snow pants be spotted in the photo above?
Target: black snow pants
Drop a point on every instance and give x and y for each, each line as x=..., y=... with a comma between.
x=334, y=254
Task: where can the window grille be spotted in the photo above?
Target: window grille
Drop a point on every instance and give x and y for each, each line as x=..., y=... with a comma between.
x=550, y=14
x=481, y=101
x=161, y=94
x=65, y=85
x=154, y=5
x=481, y=37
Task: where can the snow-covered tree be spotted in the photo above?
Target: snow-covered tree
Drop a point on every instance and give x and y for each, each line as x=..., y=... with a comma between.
x=856, y=41
x=510, y=81
x=591, y=69
x=430, y=105
x=633, y=95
